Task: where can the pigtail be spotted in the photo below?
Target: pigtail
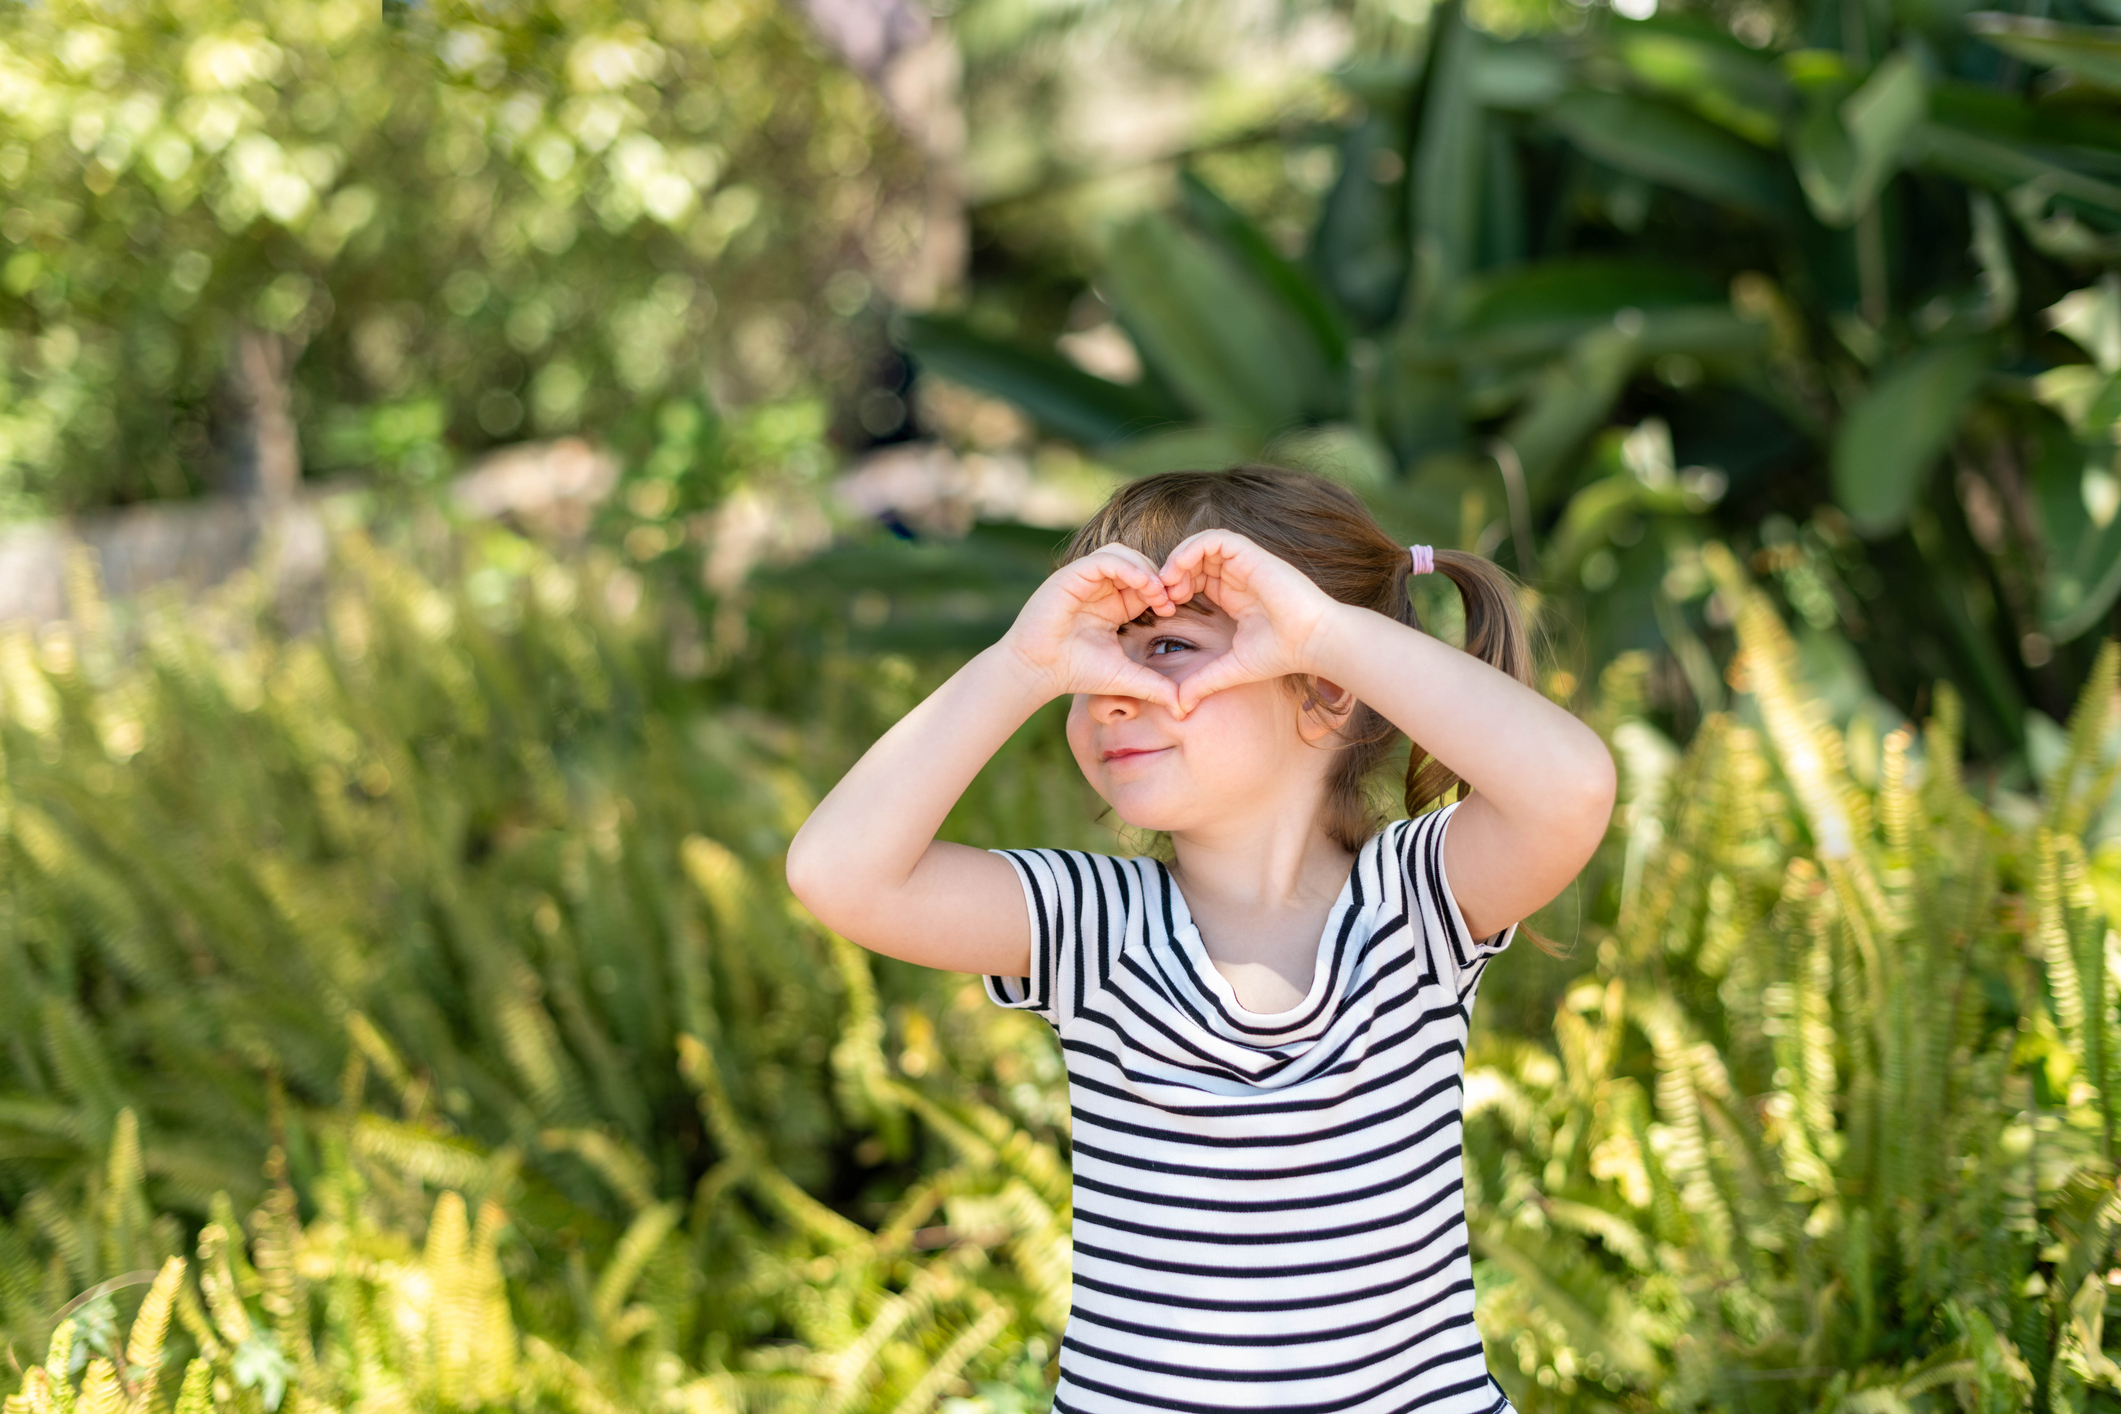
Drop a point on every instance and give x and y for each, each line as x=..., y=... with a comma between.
x=1495, y=634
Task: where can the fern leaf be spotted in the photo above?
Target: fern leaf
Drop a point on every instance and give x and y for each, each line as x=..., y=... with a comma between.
x=1769, y=677
x=2080, y=785
x=418, y=1153
x=217, y=1280
x=59, y=1368
x=617, y=1163
x=197, y=1394
x=277, y=1237
x=198, y=1324
x=641, y=1240
x=958, y=1354
x=143, y=1347
x=563, y=1379
x=126, y=1214
x=100, y=1391
x=453, y=1323
x=37, y=1395
x=697, y=1066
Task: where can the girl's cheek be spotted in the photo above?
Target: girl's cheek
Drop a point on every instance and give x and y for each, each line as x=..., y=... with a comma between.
x=1079, y=737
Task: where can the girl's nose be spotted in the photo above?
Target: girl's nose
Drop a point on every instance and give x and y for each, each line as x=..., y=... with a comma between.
x=1109, y=707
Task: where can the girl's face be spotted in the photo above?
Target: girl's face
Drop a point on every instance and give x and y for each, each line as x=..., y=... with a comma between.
x=1242, y=750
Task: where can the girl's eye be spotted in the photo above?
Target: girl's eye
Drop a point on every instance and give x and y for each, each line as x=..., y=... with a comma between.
x=1161, y=646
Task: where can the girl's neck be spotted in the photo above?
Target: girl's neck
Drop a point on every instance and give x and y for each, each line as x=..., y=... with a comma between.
x=1261, y=898
x=1266, y=866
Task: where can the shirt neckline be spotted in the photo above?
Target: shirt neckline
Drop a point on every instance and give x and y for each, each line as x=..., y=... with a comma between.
x=1185, y=934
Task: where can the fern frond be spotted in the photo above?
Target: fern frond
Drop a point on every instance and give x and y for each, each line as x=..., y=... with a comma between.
x=197, y=1394
x=100, y=1391
x=143, y=1347
x=59, y=1368
x=616, y=1162
x=643, y=1237
x=277, y=1237
x=2081, y=783
x=959, y=1353
x=697, y=1066
x=217, y=1280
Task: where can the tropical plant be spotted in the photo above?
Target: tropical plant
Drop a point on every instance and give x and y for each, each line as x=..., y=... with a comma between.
x=237, y=239
x=1832, y=1123
x=427, y=983
x=1751, y=275
x=475, y=889
x=387, y=1300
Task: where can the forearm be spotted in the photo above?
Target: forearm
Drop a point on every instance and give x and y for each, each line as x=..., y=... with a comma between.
x=1527, y=756
x=866, y=837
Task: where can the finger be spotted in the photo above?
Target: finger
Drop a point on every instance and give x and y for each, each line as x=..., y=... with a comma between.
x=1200, y=548
x=1143, y=685
x=1134, y=587
x=1130, y=557
x=1210, y=563
x=1122, y=566
x=1185, y=582
x=1120, y=551
x=1213, y=678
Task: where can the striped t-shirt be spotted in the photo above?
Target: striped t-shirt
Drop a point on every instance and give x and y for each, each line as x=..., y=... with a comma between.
x=1269, y=1209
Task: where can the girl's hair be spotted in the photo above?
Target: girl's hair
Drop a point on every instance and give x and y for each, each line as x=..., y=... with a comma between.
x=1324, y=529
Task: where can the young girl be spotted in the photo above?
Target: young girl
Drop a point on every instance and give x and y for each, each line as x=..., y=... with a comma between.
x=1266, y=1038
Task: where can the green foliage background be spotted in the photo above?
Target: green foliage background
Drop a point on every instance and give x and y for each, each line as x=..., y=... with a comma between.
x=468, y=223
x=403, y=981
x=449, y=943
x=1834, y=283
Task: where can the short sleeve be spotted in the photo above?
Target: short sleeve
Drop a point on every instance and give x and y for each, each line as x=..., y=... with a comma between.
x=1064, y=894
x=1458, y=954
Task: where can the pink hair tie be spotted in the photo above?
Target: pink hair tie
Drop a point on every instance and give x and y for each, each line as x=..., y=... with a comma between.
x=1424, y=559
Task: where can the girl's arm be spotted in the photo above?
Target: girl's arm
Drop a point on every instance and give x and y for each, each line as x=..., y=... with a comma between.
x=867, y=862
x=1542, y=782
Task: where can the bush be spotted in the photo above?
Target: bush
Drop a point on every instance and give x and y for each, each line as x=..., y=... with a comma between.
x=448, y=943
x=1831, y=1124
x=468, y=892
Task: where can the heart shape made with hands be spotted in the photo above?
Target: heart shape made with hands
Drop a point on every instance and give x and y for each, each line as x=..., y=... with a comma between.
x=1275, y=608
x=1066, y=633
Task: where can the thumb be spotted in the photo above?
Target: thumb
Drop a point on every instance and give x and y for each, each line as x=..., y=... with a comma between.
x=1153, y=687
x=1223, y=672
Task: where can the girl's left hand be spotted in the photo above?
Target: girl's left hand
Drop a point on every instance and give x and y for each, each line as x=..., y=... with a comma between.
x=1276, y=608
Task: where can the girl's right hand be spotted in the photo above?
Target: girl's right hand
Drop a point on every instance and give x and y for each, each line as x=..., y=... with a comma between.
x=1066, y=637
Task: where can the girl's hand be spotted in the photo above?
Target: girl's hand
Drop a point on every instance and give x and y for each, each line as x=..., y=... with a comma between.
x=1276, y=607
x=1066, y=637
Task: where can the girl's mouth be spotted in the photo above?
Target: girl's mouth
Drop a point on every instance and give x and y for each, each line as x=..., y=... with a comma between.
x=1132, y=753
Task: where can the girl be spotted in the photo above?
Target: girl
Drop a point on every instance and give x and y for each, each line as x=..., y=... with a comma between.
x=1265, y=1038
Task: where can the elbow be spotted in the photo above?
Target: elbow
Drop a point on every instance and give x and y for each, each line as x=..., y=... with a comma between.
x=1594, y=786
x=808, y=877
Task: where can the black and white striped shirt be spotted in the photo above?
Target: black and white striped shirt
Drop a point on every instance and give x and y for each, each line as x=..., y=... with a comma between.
x=1269, y=1209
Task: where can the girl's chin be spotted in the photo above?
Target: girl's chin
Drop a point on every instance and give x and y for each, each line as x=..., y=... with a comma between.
x=1140, y=815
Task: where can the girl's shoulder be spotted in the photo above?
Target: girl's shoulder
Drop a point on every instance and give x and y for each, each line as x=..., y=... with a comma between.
x=1089, y=858
x=1082, y=872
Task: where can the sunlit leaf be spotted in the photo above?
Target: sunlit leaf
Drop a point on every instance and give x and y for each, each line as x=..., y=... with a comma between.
x=2091, y=53
x=1845, y=153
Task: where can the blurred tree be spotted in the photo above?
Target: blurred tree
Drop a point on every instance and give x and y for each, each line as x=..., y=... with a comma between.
x=229, y=231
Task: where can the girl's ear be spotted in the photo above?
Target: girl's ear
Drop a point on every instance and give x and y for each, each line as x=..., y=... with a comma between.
x=1325, y=711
